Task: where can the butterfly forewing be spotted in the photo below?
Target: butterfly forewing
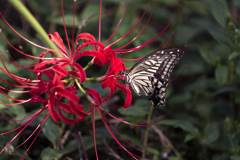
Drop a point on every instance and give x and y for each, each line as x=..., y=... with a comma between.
x=152, y=73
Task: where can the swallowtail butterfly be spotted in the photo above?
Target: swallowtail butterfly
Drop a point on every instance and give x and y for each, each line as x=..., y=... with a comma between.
x=151, y=74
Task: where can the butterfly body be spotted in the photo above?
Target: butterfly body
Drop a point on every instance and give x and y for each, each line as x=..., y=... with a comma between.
x=151, y=74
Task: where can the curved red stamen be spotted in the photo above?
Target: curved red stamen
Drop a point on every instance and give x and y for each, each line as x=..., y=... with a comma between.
x=26, y=38
x=137, y=125
x=137, y=34
x=34, y=130
x=99, y=25
x=65, y=29
x=132, y=28
x=145, y=44
x=35, y=137
x=117, y=25
x=178, y=74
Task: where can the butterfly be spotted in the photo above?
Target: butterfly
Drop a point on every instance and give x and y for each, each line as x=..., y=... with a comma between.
x=151, y=74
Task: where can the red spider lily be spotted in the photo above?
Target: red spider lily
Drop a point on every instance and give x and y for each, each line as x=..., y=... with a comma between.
x=59, y=84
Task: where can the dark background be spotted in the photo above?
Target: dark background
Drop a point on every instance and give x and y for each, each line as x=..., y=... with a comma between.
x=204, y=121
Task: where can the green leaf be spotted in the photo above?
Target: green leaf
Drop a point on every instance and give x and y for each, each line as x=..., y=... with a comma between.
x=221, y=74
x=50, y=131
x=50, y=154
x=233, y=55
x=220, y=11
x=68, y=21
x=211, y=133
x=189, y=137
x=235, y=157
x=207, y=55
x=174, y=158
x=238, y=68
x=221, y=37
x=186, y=126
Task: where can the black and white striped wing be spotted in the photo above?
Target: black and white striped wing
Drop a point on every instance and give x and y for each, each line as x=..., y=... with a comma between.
x=152, y=73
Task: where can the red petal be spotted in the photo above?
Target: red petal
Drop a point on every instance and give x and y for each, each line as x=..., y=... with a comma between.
x=51, y=104
x=95, y=95
x=93, y=54
x=60, y=70
x=85, y=36
x=55, y=37
x=112, y=89
x=67, y=120
x=81, y=71
x=128, y=94
x=77, y=109
x=67, y=94
x=65, y=107
x=107, y=82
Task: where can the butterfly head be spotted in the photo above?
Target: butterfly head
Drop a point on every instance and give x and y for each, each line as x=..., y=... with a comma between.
x=125, y=76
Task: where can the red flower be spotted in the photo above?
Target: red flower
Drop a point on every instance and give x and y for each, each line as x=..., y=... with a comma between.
x=60, y=79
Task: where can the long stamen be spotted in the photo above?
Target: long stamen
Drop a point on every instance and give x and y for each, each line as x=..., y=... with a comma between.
x=36, y=136
x=118, y=132
x=118, y=24
x=114, y=137
x=136, y=35
x=26, y=38
x=18, y=132
x=73, y=28
x=137, y=125
x=34, y=130
x=94, y=134
x=169, y=41
x=145, y=44
x=130, y=29
x=178, y=74
x=99, y=25
x=65, y=29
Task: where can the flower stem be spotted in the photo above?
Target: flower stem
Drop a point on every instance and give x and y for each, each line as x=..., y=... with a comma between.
x=19, y=6
x=147, y=131
x=88, y=65
x=80, y=87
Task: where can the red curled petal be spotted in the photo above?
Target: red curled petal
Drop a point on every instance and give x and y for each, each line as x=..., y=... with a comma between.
x=107, y=82
x=67, y=94
x=117, y=66
x=95, y=95
x=81, y=71
x=65, y=107
x=72, y=89
x=67, y=120
x=60, y=70
x=77, y=109
x=85, y=36
x=96, y=54
x=112, y=89
x=51, y=107
x=128, y=94
x=55, y=37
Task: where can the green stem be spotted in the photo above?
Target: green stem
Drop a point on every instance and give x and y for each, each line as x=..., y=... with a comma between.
x=19, y=6
x=80, y=87
x=147, y=131
x=88, y=65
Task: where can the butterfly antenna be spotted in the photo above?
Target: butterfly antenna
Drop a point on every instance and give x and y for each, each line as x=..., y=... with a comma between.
x=178, y=74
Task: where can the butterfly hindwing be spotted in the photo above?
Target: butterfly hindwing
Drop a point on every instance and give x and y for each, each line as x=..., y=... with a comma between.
x=152, y=73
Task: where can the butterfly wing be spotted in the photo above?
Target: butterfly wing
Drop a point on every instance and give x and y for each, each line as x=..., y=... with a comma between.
x=152, y=73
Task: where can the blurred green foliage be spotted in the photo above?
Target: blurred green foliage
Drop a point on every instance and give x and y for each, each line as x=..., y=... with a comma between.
x=204, y=101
